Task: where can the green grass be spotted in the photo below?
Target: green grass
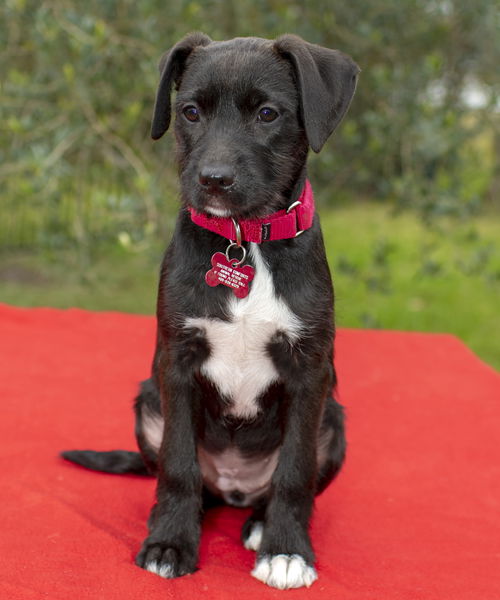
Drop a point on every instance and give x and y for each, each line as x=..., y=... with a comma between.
x=112, y=278
x=394, y=272
x=391, y=272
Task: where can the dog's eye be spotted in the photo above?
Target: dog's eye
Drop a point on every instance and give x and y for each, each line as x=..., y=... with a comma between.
x=267, y=114
x=191, y=113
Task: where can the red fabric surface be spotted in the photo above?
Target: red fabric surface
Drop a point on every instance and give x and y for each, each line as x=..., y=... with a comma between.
x=414, y=514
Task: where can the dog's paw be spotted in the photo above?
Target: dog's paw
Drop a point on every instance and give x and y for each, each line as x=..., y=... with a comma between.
x=284, y=571
x=165, y=561
x=252, y=536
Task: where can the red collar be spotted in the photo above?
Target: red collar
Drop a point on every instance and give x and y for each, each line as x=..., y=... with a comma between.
x=286, y=223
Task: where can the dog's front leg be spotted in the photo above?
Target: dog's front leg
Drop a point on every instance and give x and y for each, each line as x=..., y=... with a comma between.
x=171, y=548
x=285, y=558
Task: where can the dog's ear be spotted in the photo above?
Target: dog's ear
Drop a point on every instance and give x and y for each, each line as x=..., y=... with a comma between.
x=171, y=67
x=326, y=80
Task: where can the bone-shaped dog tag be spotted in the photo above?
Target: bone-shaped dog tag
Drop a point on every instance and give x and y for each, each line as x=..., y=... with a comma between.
x=227, y=272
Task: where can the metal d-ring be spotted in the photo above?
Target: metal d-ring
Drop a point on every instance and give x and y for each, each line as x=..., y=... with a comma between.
x=293, y=205
x=238, y=262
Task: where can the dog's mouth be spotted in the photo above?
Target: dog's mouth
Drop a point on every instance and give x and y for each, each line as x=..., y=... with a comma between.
x=233, y=203
x=214, y=206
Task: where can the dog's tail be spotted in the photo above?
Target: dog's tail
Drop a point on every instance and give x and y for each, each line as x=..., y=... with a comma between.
x=112, y=461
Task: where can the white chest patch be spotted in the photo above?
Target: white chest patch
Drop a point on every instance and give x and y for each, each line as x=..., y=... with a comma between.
x=239, y=365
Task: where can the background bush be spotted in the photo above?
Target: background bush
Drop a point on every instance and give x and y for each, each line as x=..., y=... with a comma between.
x=407, y=188
x=78, y=82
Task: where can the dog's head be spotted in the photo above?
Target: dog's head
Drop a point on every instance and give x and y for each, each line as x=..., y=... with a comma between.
x=247, y=111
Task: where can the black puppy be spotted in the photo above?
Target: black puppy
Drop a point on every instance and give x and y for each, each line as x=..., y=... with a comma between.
x=239, y=405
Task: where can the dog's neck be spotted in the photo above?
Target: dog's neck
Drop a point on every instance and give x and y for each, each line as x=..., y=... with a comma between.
x=283, y=224
x=297, y=187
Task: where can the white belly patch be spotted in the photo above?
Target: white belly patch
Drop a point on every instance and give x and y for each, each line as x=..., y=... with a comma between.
x=229, y=471
x=239, y=365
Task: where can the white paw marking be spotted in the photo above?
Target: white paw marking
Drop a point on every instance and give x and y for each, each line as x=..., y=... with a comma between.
x=254, y=540
x=284, y=571
x=166, y=571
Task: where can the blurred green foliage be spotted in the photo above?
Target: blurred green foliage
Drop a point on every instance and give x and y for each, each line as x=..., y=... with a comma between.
x=87, y=200
x=77, y=89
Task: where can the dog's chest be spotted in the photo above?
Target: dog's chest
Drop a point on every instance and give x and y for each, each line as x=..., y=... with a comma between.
x=239, y=364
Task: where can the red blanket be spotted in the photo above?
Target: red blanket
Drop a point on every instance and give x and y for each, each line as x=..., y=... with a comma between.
x=414, y=514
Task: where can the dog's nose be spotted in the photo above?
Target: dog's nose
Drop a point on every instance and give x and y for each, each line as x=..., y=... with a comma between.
x=218, y=176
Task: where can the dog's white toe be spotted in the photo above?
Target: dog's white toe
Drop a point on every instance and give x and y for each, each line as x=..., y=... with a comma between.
x=166, y=571
x=254, y=540
x=284, y=571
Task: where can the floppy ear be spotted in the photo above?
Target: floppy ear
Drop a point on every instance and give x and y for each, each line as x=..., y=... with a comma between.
x=326, y=80
x=171, y=66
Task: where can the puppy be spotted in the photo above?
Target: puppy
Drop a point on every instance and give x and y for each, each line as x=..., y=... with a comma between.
x=239, y=406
